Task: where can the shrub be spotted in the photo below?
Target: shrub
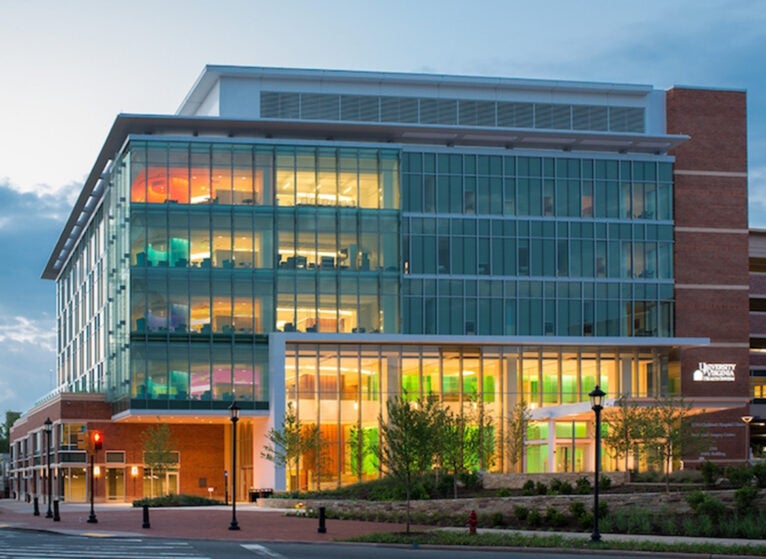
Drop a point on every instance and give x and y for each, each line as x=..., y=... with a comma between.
x=554, y=518
x=603, y=509
x=470, y=480
x=541, y=488
x=577, y=509
x=686, y=476
x=605, y=482
x=739, y=476
x=583, y=486
x=555, y=486
x=647, y=477
x=668, y=526
x=710, y=472
x=586, y=521
x=638, y=521
x=528, y=488
x=744, y=498
x=504, y=492
x=176, y=501
x=497, y=519
x=759, y=471
x=566, y=488
x=522, y=513
x=534, y=519
x=703, y=504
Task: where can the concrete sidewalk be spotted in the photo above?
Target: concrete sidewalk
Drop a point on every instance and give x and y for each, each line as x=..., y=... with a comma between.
x=123, y=520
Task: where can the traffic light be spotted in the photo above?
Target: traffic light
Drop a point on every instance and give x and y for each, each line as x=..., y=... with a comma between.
x=98, y=440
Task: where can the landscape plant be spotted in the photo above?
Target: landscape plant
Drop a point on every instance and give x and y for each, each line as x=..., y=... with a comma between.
x=409, y=434
x=160, y=453
x=290, y=442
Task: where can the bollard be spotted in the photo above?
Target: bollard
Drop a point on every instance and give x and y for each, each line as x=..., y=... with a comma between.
x=146, y=518
x=56, y=517
x=322, y=515
x=36, y=502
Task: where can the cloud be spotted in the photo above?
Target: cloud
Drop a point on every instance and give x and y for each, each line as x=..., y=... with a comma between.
x=28, y=346
x=30, y=224
x=24, y=331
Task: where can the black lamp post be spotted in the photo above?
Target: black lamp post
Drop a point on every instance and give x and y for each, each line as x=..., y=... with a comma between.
x=49, y=482
x=234, y=413
x=596, y=404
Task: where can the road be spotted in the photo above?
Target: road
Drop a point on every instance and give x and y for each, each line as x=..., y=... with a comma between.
x=16, y=544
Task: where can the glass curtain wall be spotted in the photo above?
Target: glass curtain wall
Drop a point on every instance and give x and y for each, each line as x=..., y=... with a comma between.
x=228, y=242
x=343, y=390
x=575, y=247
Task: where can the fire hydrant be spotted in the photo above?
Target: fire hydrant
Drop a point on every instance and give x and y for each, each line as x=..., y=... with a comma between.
x=472, y=522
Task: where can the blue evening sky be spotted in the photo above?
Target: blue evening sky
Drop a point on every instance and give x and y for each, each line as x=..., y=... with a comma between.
x=68, y=68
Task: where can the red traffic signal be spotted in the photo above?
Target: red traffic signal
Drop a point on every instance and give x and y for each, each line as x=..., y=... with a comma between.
x=98, y=440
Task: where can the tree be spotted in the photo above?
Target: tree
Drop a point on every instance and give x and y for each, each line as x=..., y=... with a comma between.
x=627, y=425
x=668, y=430
x=5, y=430
x=290, y=442
x=455, y=451
x=363, y=443
x=160, y=453
x=481, y=439
x=409, y=437
x=516, y=435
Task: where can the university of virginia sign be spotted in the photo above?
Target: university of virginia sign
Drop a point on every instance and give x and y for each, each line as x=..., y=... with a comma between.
x=714, y=372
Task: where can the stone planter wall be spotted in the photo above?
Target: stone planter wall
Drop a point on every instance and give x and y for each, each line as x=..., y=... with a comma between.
x=516, y=481
x=487, y=505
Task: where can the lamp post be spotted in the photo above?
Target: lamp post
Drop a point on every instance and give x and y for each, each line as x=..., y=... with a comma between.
x=49, y=482
x=596, y=404
x=234, y=416
x=747, y=419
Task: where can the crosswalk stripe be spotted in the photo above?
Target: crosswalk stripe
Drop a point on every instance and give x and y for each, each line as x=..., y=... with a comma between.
x=262, y=551
x=77, y=547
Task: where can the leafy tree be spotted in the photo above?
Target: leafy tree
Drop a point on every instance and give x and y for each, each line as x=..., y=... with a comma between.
x=159, y=451
x=481, y=437
x=409, y=437
x=363, y=444
x=668, y=431
x=5, y=430
x=516, y=435
x=455, y=452
x=290, y=442
x=627, y=426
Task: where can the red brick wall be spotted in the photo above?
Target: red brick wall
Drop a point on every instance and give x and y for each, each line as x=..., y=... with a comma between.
x=716, y=122
x=201, y=448
x=711, y=241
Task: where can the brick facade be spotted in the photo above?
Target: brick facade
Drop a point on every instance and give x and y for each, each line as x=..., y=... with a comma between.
x=202, y=448
x=711, y=246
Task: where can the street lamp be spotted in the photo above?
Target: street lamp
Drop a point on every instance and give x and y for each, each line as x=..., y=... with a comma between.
x=234, y=413
x=48, y=431
x=596, y=404
x=747, y=419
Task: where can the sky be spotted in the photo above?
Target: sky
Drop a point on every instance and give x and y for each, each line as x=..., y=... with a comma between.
x=68, y=68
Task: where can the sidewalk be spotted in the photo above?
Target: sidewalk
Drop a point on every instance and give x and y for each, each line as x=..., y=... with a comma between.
x=123, y=520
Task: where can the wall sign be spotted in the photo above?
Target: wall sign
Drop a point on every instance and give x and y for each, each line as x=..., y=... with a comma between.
x=714, y=372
